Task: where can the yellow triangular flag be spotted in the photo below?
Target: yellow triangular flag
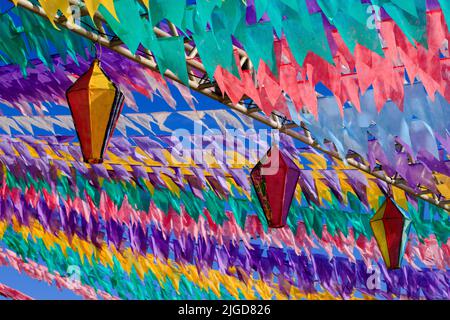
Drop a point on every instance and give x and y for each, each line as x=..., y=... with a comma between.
x=51, y=8
x=92, y=6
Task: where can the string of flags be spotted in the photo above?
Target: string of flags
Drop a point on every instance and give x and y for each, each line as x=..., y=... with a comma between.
x=94, y=177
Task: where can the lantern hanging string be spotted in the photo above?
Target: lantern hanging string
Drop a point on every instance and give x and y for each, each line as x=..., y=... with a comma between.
x=284, y=120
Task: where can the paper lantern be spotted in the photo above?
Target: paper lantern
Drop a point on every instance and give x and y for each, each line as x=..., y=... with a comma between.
x=95, y=103
x=275, y=178
x=390, y=228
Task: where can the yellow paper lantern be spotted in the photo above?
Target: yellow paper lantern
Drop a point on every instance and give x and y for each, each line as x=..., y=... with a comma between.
x=95, y=103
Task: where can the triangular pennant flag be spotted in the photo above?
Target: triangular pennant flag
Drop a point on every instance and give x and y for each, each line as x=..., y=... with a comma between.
x=306, y=41
x=133, y=31
x=257, y=40
x=172, y=57
x=172, y=10
x=445, y=6
x=160, y=119
x=51, y=8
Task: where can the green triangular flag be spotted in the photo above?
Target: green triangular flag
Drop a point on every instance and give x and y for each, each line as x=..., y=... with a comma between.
x=131, y=32
x=353, y=32
x=172, y=10
x=408, y=6
x=276, y=10
x=257, y=40
x=330, y=8
x=445, y=6
x=188, y=19
x=172, y=57
x=215, y=49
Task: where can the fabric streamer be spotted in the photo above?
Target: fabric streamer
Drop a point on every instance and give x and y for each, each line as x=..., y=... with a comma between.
x=12, y=293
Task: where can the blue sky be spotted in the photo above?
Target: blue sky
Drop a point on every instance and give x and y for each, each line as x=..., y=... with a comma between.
x=41, y=290
x=34, y=288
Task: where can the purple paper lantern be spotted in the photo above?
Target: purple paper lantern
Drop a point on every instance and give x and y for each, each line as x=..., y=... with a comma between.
x=275, y=178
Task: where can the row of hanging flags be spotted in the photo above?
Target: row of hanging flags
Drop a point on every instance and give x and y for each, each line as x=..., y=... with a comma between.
x=424, y=134
x=199, y=231
x=421, y=128
x=223, y=152
x=114, y=246
x=208, y=219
